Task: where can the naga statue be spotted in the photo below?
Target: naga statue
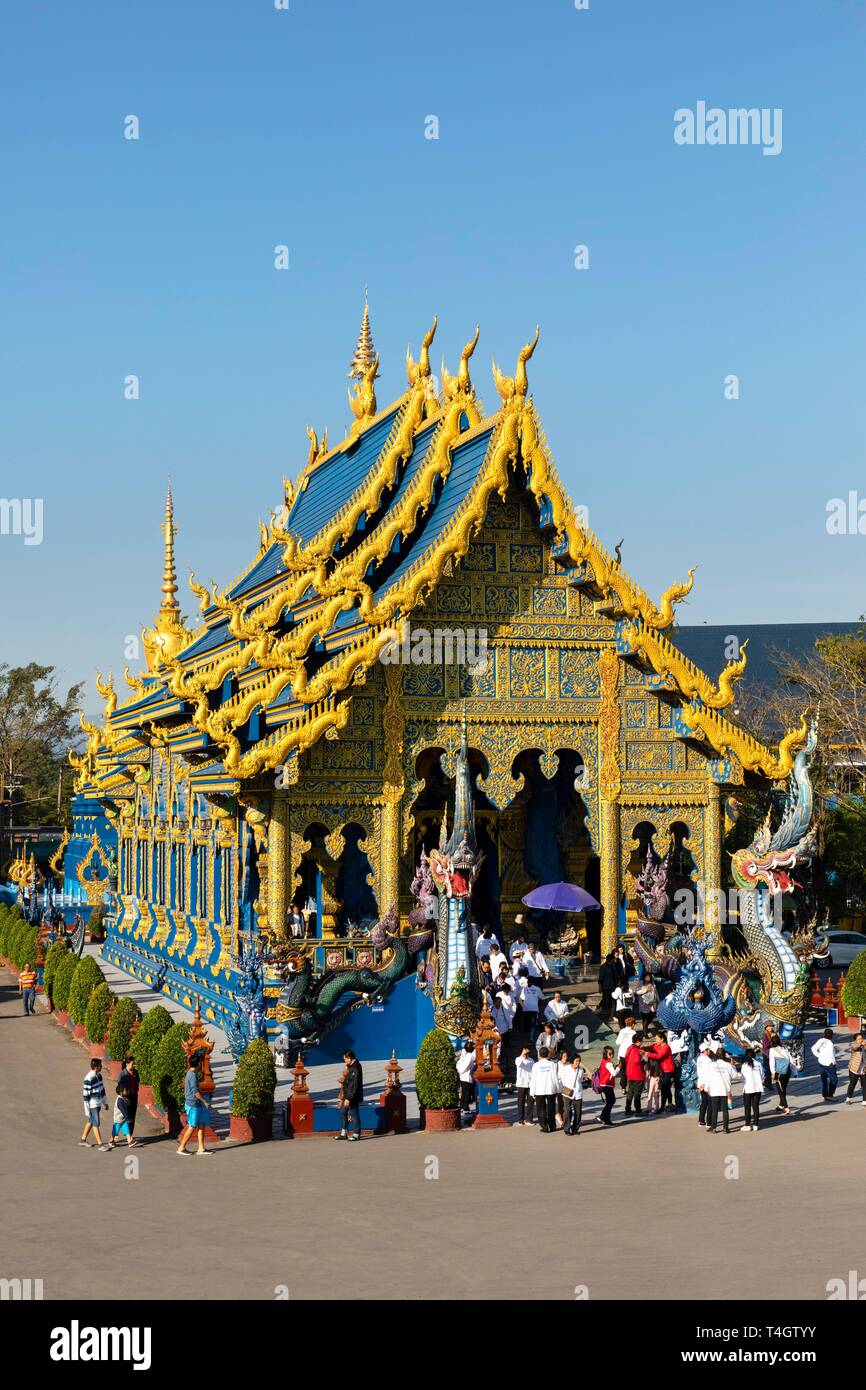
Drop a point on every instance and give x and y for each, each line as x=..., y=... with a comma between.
x=248, y=1020
x=698, y=1003
x=658, y=946
x=454, y=868
x=309, y=1007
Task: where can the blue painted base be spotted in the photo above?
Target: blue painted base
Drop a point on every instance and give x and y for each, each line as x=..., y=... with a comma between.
x=397, y=1024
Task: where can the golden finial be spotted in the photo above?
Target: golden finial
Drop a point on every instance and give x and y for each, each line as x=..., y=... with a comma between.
x=168, y=635
x=461, y=384
x=420, y=371
x=200, y=591
x=515, y=388
x=364, y=351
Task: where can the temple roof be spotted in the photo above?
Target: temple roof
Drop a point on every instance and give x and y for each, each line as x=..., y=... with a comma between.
x=364, y=536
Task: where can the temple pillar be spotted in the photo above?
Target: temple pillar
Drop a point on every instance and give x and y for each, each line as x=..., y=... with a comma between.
x=712, y=865
x=278, y=864
x=393, y=788
x=609, y=782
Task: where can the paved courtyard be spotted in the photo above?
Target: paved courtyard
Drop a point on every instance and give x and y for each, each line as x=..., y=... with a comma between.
x=647, y=1210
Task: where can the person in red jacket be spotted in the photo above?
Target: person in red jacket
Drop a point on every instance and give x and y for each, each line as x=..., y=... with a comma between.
x=661, y=1052
x=635, y=1075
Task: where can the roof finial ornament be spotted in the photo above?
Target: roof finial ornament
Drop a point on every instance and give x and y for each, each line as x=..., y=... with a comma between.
x=513, y=389
x=419, y=372
x=461, y=384
x=168, y=634
x=364, y=350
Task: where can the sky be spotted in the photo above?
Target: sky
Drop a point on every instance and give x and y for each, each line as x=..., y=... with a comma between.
x=308, y=127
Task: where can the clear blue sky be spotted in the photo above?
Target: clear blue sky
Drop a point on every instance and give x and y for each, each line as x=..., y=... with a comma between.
x=261, y=127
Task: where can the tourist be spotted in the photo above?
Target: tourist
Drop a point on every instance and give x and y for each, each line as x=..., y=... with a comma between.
x=621, y=967
x=530, y=1002
x=121, y=1123
x=662, y=1055
x=27, y=989
x=565, y=1096
x=635, y=1075
x=766, y=1044
x=466, y=1066
x=353, y=1095
x=607, y=984
x=497, y=959
x=543, y=1087
x=94, y=1101
x=130, y=1079
x=780, y=1070
x=577, y=1100
x=295, y=923
x=535, y=963
x=485, y=978
x=519, y=945
x=485, y=943
x=702, y=1065
x=624, y=1040
x=523, y=1068
x=623, y=1003
x=607, y=1074
x=825, y=1052
x=752, y=1076
x=557, y=1009
x=552, y=1038
x=197, y=1113
x=647, y=997
x=857, y=1070
x=720, y=1079
x=504, y=1010
x=652, y=1066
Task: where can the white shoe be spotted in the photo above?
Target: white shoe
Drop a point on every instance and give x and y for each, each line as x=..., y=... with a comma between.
x=850, y=1102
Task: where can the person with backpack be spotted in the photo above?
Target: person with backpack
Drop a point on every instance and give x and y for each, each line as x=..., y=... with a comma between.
x=825, y=1053
x=779, y=1059
x=604, y=1084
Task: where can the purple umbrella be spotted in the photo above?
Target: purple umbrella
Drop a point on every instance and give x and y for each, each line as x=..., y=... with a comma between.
x=561, y=897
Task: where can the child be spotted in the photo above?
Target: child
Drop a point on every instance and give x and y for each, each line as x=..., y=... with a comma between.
x=121, y=1121
x=523, y=1068
x=752, y=1076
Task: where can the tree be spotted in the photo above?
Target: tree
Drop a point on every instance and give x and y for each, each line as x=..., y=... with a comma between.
x=436, y=1080
x=36, y=728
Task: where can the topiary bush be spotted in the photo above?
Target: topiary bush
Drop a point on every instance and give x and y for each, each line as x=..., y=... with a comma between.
x=854, y=988
x=63, y=981
x=119, y=1037
x=436, y=1078
x=169, y=1068
x=25, y=945
x=157, y=1021
x=96, y=923
x=85, y=980
x=255, y=1082
x=15, y=935
x=56, y=951
x=98, y=1010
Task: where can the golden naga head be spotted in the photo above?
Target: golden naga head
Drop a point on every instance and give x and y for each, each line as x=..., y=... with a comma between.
x=363, y=402
x=419, y=372
x=461, y=384
x=513, y=389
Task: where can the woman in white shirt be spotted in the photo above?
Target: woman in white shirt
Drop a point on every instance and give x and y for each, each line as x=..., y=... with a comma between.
x=779, y=1059
x=752, y=1077
x=544, y=1087
x=720, y=1077
x=825, y=1052
x=523, y=1072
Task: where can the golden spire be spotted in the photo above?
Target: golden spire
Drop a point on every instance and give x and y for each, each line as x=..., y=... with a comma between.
x=168, y=635
x=169, y=577
x=364, y=351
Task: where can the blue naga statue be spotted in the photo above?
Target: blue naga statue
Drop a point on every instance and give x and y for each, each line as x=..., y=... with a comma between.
x=733, y=995
x=248, y=1021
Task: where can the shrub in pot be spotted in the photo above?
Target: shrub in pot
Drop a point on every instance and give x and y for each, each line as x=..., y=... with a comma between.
x=96, y=923
x=63, y=982
x=253, y=1093
x=120, y=1030
x=56, y=951
x=854, y=988
x=85, y=980
x=156, y=1023
x=168, y=1070
x=98, y=1010
x=436, y=1081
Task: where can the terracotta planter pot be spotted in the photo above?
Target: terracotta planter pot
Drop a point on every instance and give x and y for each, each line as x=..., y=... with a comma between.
x=79, y=1032
x=145, y=1094
x=114, y=1069
x=61, y=1016
x=96, y=1049
x=252, y=1131
x=439, y=1121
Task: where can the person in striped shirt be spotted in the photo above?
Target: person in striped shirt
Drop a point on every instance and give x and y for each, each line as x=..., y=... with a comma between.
x=94, y=1101
x=27, y=987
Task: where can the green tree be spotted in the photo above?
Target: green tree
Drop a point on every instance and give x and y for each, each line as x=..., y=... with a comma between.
x=56, y=951
x=170, y=1067
x=85, y=980
x=98, y=1010
x=145, y=1044
x=255, y=1082
x=36, y=729
x=436, y=1080
x=120, y=1030
x=854, y=988
x=63, y=981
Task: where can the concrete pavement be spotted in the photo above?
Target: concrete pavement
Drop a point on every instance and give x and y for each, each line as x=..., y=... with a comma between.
x=651, y=1209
